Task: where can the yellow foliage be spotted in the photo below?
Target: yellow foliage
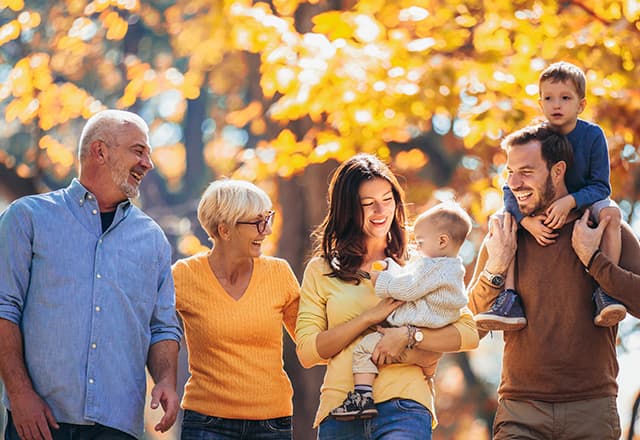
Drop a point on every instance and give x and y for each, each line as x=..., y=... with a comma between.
x=170, y=161
x=14, y=5
x=333, y=25
x=9, y=32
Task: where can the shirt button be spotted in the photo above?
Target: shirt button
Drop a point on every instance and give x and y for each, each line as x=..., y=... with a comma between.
x=100, y=241
x=94, y=346
x=98, y=276
x=90, y=197
x=94, y=212
x=90, y=380
x=81, y=201
x=98, y=308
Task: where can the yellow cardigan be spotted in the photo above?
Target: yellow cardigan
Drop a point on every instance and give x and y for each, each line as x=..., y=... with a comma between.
x=235, y=347
x=326, y=302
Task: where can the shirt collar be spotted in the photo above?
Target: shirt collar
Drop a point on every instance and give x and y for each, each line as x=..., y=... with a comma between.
x=81, y=195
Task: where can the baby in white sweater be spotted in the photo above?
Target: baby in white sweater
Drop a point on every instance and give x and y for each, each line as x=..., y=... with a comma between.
x=432, y=286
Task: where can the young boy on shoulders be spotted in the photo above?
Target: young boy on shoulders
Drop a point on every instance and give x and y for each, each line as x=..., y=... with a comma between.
x=562, y=89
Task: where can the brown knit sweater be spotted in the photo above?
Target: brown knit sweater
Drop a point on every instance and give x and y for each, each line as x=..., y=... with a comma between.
x=561, y=356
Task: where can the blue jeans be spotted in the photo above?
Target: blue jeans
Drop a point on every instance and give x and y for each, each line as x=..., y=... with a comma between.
x=397, y=419
x=196, y=426
x=69, y=431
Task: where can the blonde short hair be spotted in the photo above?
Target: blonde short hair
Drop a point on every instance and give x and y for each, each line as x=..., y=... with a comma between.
x=448, y=217
x=227, y=201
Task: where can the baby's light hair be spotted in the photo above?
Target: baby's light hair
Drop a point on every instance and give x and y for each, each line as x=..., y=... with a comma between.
x=448, y=217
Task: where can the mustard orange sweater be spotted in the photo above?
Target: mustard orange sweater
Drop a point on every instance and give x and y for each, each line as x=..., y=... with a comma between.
x=235, y=347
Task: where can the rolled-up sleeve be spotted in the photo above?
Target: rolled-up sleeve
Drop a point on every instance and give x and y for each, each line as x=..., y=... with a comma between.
x=15, y=261
x=466, y=326
x=164, y=321
x=312, y=316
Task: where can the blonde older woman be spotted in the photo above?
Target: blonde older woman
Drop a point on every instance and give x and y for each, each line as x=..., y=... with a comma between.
x=233, y=302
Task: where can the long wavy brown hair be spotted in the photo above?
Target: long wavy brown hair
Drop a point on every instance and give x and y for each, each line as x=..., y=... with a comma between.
x=340, y=239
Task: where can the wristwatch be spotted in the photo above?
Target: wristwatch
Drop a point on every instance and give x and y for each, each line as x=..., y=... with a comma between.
x=495, y=279
x=415, y=336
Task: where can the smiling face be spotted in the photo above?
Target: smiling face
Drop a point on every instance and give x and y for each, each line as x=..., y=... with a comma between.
x=130, y=160
x=529, y=178
x=247, y=240
x=378, y=207
x=561, y=104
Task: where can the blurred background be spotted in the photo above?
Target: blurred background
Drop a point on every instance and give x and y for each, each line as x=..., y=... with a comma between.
x=278, y=92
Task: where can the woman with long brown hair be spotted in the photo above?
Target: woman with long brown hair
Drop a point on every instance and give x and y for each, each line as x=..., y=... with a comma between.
x=338, y=305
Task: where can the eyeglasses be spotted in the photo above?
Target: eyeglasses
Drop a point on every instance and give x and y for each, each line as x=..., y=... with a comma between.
x=261, y=225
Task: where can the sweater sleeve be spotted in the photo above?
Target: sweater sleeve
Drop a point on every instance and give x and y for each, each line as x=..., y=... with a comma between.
x=510, y=204
x=621, y=282
x=597, y=185
x=411, y=282
x=292, y=292
x=466, y=326
x=312, y=316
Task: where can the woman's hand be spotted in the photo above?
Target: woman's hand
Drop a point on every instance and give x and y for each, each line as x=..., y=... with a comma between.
x=392, y=346
x=380, y=311
x=428, y=360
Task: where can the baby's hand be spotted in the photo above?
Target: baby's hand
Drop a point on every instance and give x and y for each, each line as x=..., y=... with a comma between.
x=543, y=234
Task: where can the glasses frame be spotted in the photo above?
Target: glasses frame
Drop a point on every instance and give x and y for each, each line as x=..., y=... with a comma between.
x=261, y=225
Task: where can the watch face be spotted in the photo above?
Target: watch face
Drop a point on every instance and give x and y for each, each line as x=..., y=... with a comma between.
x=418, y=336
x=497, y=280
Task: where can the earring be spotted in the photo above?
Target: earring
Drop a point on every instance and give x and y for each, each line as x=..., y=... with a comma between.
x=389, y=237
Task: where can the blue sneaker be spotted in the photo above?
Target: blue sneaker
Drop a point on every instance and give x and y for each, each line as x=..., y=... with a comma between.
x=608, y=312
x=505, y=314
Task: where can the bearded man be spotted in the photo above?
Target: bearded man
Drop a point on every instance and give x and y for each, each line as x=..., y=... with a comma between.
x=87, y=298
x=559, y=372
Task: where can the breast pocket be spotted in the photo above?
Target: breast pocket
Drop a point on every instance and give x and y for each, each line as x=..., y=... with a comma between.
x=137, y=275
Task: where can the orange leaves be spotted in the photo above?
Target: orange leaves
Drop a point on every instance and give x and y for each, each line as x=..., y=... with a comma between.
x=36, y=96
x=411, y=160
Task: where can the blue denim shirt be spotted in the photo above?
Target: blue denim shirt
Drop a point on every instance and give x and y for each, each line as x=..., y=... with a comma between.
x=89, y=304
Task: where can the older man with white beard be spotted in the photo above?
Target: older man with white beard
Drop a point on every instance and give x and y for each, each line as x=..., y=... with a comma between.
x=87, y=298
x=559, y=373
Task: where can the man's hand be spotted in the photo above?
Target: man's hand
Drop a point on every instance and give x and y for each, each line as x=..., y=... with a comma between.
x=392, y=346
x=500, y=243
x=31, y=416
x=558, y=211
x=543, y=234
x=165, y=395
x=586, y=240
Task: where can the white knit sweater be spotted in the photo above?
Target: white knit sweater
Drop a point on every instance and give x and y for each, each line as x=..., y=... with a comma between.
x=433, y=289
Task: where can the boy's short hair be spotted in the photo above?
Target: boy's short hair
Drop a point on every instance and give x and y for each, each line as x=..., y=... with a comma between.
x=448, y=217
x=563, y=71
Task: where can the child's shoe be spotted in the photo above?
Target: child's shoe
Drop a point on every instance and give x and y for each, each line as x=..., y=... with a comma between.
x=505, y=314
x=356, y=406
x=609, y=312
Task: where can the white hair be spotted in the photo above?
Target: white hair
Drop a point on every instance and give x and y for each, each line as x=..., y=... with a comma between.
x=102, y=127
x=227, y=201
